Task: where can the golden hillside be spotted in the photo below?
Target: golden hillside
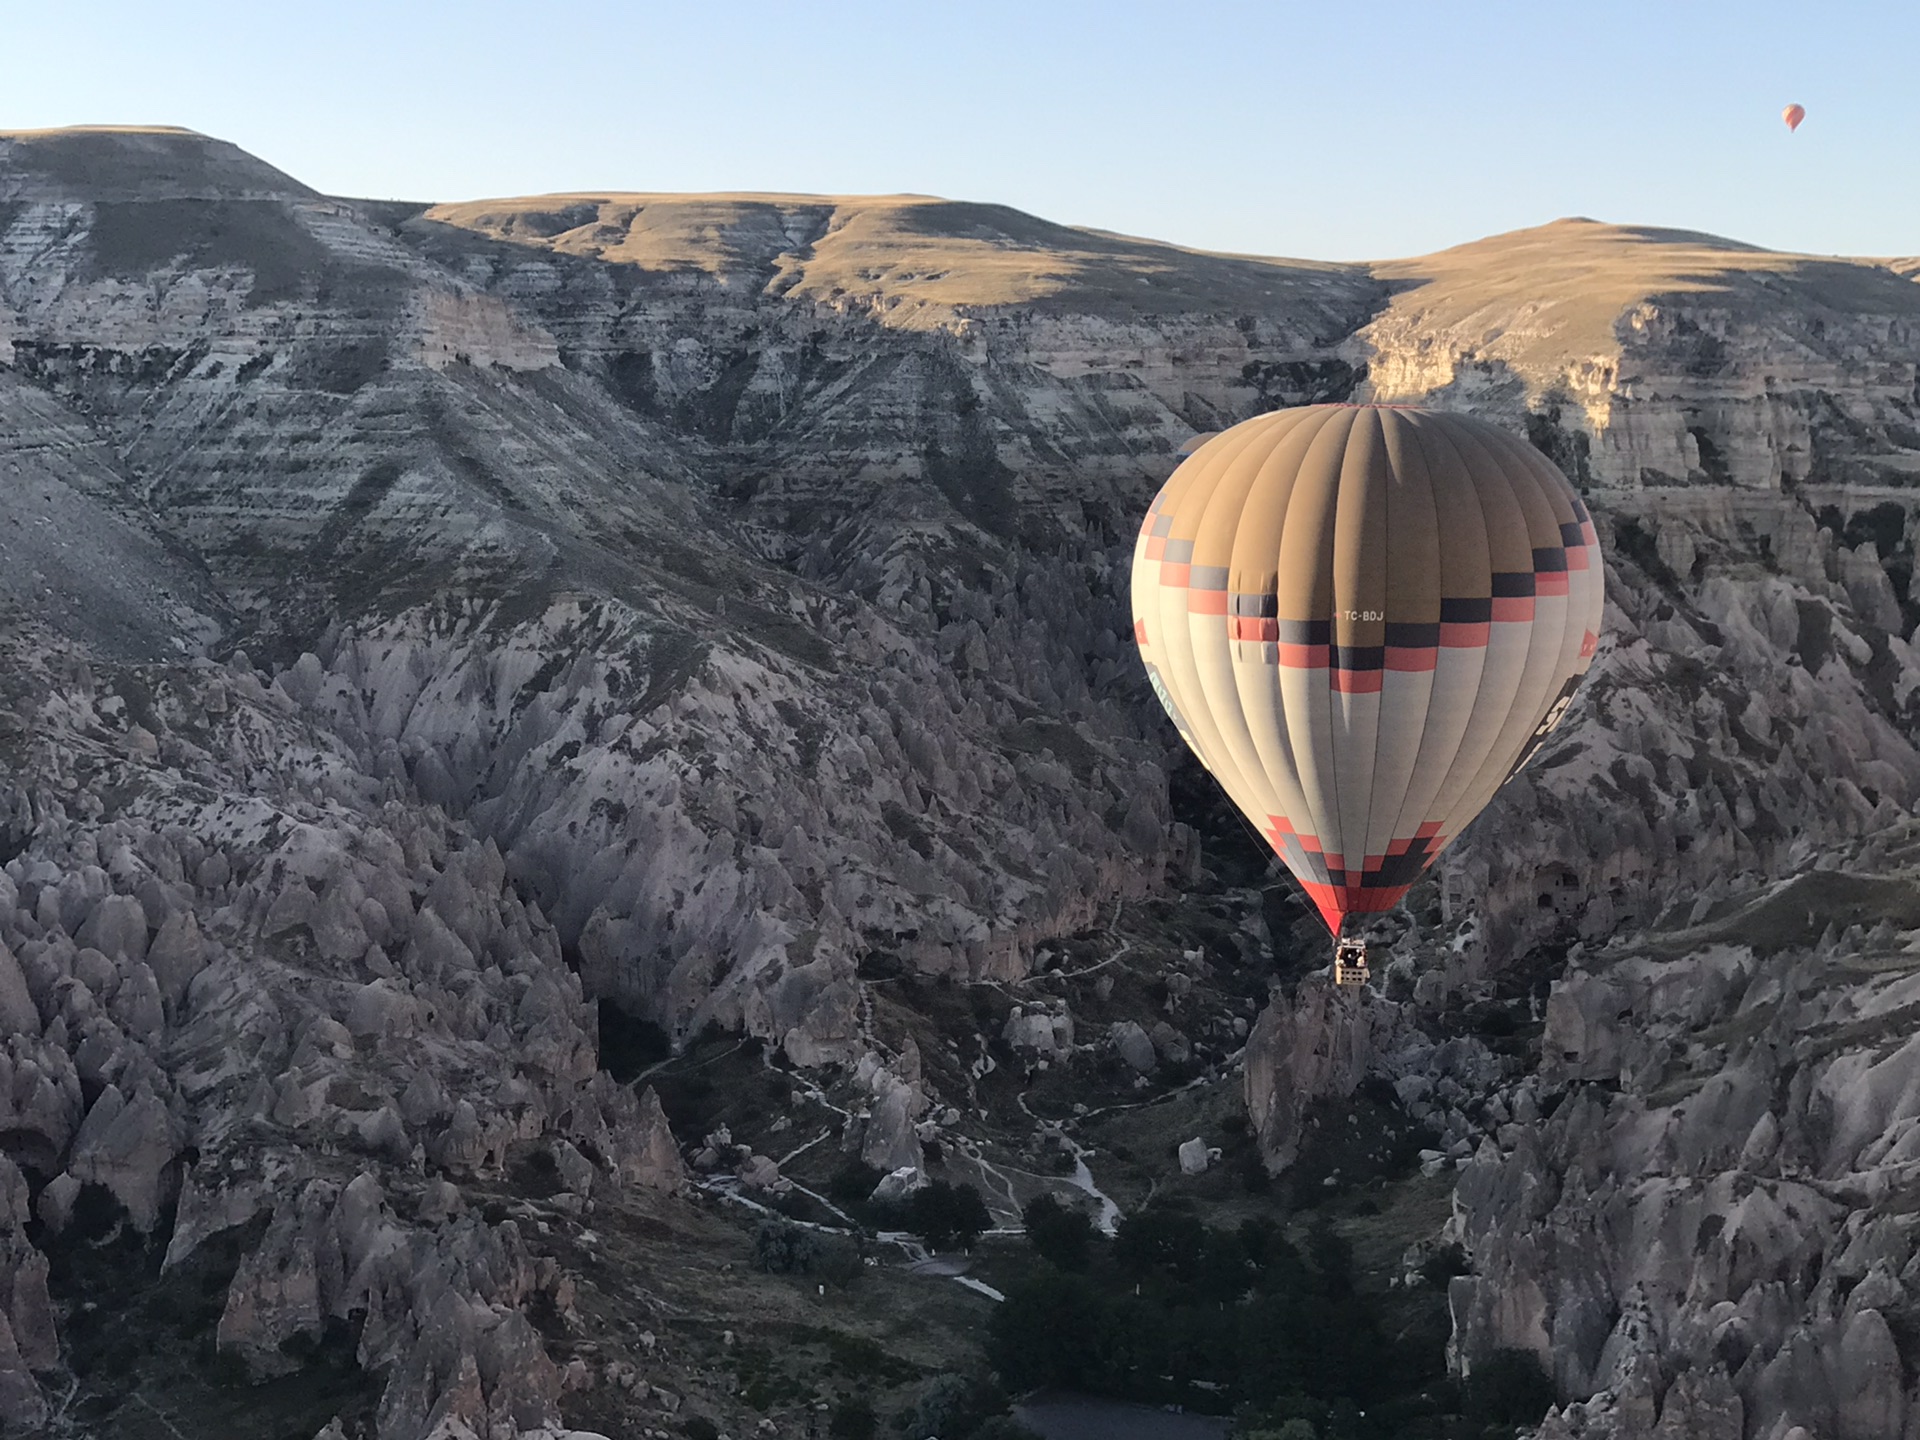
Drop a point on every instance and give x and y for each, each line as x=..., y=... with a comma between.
x=1557, y=292
x=136, y=162
x=911, y=254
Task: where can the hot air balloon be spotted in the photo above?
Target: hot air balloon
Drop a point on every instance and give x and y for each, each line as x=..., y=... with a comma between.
x=1363, y=620
x=1793, y=115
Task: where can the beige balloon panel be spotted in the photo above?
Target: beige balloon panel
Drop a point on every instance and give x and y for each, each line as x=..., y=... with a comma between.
x=1424, y=752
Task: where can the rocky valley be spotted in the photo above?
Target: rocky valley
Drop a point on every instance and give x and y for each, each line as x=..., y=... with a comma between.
x=538, y=734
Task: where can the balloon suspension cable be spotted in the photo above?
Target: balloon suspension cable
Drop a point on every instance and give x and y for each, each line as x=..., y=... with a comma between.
x=1350, y=970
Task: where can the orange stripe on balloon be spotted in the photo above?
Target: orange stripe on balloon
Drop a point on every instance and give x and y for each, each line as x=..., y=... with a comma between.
x=1206, y=602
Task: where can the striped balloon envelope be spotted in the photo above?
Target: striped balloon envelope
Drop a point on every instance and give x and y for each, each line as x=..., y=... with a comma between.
x=1364, y=619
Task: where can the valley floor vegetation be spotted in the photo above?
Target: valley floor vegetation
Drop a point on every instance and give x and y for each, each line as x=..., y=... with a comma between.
x=1243, y=1320
x=1264, y=1302
x=1276, y=1329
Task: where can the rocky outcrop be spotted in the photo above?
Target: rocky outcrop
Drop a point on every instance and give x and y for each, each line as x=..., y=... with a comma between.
x=1741, y=720
x=29, y=1339
x=639, y=1142
x=207, y=1033
x=1708, y=1181
x=452, y=1350
x=1316, y=1046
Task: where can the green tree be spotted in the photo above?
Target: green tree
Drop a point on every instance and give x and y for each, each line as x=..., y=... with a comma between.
x=1224, y=1272
x=1331, y=1254
x=945, y=1215
x=1049, y=1332
x=1061, y=1235
x=1443, y=1264
x=953, y=1405
x=1160, y=1239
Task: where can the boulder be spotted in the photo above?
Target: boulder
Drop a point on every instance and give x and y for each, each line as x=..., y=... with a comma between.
x=1132, y=1044
x=891, y=1140
x=761, y=1173
x=897, y=1186
x=1172, y=1046
x=1039, y=1032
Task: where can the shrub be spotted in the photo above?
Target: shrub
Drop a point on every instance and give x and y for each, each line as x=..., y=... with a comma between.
x=853, y=1419
x=794, y=1204
x=1257, y=1235
x=1442, y=1265
x=837, y=1261
x=939, y=1408
x=953, y=1405
x=1332, y=1256
x=1509, y=1387
x=782, y=1248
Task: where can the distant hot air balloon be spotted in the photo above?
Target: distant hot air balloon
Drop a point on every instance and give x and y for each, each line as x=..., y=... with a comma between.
x=1363, y=620
x=1793, y=115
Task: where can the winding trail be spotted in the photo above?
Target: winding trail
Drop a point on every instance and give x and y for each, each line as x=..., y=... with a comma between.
x=918, y=1260
x=1108, y=1217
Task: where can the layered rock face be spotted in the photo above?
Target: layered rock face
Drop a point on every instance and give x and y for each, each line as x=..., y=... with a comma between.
x=678, y=600
x=1650, y=359
x=721, y=614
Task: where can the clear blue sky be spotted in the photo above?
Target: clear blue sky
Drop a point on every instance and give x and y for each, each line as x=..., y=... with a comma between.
x=1328, y=130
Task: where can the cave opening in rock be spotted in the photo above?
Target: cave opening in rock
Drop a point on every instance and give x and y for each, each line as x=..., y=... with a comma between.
x=629, y=1043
